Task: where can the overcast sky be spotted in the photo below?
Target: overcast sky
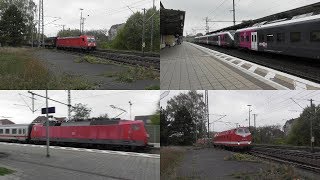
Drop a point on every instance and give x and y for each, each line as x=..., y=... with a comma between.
x=102, y=13
x=272, y=107
x=197, y=10
x=13, y=106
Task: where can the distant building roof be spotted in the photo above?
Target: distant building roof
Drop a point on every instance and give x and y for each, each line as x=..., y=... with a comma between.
x=5, y=122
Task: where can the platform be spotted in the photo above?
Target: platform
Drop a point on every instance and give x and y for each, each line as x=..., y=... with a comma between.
x=190, y=66
x=30, y=163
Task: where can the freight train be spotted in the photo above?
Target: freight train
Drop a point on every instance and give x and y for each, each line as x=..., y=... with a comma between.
x=102, y=133
x=83, y=42
x=298, y=37
x=238, y=138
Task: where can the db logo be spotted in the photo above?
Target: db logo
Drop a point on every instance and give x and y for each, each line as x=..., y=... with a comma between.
x=264, y=44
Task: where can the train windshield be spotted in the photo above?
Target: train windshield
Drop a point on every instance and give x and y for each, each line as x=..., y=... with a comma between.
x=91, y=40
x=243, y=131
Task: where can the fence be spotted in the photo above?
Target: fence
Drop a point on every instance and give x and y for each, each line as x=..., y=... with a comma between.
x=154, y=133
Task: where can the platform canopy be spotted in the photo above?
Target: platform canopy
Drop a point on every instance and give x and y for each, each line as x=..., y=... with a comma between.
x=312, y=9
x=172, y=21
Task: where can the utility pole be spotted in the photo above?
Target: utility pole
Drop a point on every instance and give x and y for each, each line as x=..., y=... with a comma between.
x=254, y=118
x=207, y=110
x=207, y=26
x=32, y=103
x=47, y=125
x=42, y=13
x=130, y=109
x=63, y=28
x=249, y=113
x=234, y=14
x=143, y=30
x=39, y=23
x=69, y=105
x=152, y=29
x=81, y=21
x=311, y=133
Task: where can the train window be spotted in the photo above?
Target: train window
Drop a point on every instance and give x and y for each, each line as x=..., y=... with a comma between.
x=295, y=36
x=269, y=37
x=20, y=132
x=7, y=131
x=1, y=131
x=242, y=38
x=14, y=131
x=280, y=37
x=247, y=38
x=261, y=38
x=23, y=131
x=315, y=36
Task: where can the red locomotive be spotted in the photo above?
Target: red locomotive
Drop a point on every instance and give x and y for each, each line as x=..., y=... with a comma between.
x=108, y=133
x=83, y=42
x=238, y=138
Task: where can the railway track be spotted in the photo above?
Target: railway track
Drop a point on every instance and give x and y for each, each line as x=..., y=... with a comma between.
x=301, y=67
x=297, y=158
x=133, y=59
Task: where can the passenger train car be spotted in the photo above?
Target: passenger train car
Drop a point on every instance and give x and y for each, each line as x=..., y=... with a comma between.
x=295, y=37
x=108, y=133
x=238, y=138
x=225, y=39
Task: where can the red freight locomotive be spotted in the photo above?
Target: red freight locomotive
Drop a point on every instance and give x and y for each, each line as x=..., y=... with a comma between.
x=238, y=138
x=83, y=42
x=108, y=133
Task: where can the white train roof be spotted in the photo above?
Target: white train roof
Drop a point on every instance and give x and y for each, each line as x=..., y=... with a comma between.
x=308, y=18
x=14, y=125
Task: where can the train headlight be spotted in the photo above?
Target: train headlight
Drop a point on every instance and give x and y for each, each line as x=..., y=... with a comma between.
x=238, y=143
x=249, y=142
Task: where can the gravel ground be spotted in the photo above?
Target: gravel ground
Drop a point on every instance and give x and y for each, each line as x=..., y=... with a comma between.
x=209, y=163
x=59, y=63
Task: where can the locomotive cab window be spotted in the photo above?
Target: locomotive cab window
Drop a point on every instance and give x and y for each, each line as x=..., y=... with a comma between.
x=242, y=38
x=295, y=36
x=7, y=131
x=14, y=131
x=315, y=36
x=24, y=131
x=20, y=132
x=240, y=131
x=135, y=127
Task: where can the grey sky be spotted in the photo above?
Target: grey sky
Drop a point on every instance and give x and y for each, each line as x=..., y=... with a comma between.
x=272, y=107
x=102, y=13
x=144, y=103
x=197, y=10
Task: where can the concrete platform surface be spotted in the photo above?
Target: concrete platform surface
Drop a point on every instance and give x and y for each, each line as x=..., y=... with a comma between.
x=190, y=66
x=30, y=163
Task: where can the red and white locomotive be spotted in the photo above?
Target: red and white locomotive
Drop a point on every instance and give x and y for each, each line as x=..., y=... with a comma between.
x=238, y=138
x=109, y=133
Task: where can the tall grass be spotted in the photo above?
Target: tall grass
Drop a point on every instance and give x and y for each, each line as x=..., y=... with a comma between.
x=19, y=69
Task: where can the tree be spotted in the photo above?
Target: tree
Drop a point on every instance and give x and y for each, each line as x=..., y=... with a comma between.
x=164, y=127
x=182, y=128
x=268, y=135
x=81, y=112
x=130, y=36
x=155, y=119
x=28, y=10
x=103, y=116
x=193, y=102
x=300, y=132
x=12, y=27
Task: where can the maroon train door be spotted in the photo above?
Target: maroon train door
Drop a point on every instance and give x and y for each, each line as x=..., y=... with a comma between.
x=254, y=41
